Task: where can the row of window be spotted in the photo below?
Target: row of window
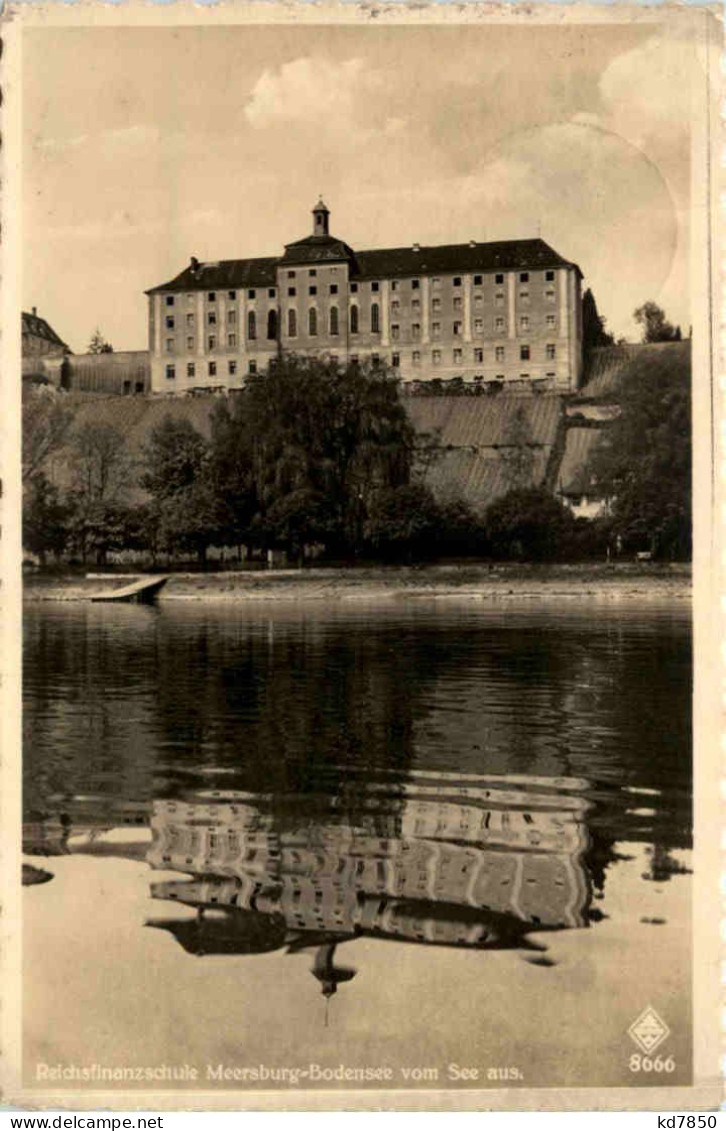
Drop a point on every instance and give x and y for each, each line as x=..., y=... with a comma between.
x=524, y=277
x=436, y=359
x=334, y=326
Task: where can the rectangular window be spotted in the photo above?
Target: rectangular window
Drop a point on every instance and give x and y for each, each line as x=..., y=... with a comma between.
x=436, y=282
x=232, y=368
x=252, y=366
x=395, y=306
x=291, y=274
x=524, y=296
x=524, y=353
x=170, y=372
x=499, y=298
x=232, y=341
x=550, y=320
x=312, y=272
x=499, y=324
x=549, y=276
x=478, y=325
x=190, y=343
x=170, y=300
x=190, y=319
x=211, y=342
x=457, y=280
x=395, y=360
x=333, y=288
x=212, y=296
x=395, y=331
x=291, y=292
x=252, y=294
x=550, y=352
x=458, y=354
x=170, y=323
x=435, y=329
x=478, y=280
x=416, y=330
x=499, y=279
x=191, y=370
x=354, y=359
x=375, y=358
x=524, y=322
x=354, y=288
x=436, y=357
x=169, y=345
x=550, y=294
x=479, y=356
x=212, y=318
x=416, y=357
x=499, y=353
x=457, y=329
x=271, y=292
x=550, y=374
x=232, y=296
x=212, y=369
x=394, y=285
x=478, y=299
x=415, y=284
x=436, y=304
x=416, y=304
x=232, y=317
x=312, y=290
x=457, y=303
x=374, y=287
x=524, y=276
x=524, y=376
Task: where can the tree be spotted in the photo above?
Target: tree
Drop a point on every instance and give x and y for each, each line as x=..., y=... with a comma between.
x=644, y=463
x=101, y=471
x=98, y=343
x=528, y=523
x=403, y=521
x=45, y=424
x=594, y=334
x=655, y=326
x=310, y=431
x=184, y=510
x=45, y=518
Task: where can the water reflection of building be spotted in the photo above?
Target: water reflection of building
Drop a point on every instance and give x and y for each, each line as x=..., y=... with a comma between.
x=435, y=863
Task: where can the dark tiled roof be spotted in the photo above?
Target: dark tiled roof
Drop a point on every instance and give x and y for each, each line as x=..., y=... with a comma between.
x=227, y=274
x=36, y=326
x=394, y=262
x=573, y=477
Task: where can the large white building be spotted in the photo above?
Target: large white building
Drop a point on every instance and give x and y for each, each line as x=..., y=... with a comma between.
x=506, y=312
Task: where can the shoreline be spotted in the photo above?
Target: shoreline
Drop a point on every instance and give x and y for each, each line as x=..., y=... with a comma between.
x=479, y=581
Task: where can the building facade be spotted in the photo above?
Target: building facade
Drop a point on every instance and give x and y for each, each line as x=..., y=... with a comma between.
x=507, y=312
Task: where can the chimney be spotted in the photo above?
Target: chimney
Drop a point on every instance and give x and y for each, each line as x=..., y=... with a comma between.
x=417, y=247
x=35, y=312
x=194, y=263
x=472, y=243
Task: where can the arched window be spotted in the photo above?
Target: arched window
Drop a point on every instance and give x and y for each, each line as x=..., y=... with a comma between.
x=292, y=323
x=333, y=320
x=271, y=325
x=312, y=321
x=251, y=325
x=354, y=319
x=375, y=318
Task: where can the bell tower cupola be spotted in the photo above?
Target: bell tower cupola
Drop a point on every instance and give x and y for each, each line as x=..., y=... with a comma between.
x=321, y=215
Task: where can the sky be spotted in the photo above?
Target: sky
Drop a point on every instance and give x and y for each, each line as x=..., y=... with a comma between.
x=145, y=146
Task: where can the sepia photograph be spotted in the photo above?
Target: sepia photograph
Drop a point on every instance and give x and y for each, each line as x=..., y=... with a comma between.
x=363, y=395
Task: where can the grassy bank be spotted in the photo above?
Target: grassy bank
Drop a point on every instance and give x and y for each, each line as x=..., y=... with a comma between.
x=472, y=579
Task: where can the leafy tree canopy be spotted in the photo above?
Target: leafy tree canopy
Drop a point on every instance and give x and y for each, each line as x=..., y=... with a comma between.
x=98, y=343
x=655, y=326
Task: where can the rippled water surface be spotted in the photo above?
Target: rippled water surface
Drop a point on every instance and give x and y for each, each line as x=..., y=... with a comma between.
x=267, y=844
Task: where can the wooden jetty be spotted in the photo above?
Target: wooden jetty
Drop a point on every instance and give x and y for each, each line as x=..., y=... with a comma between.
x=142, y=591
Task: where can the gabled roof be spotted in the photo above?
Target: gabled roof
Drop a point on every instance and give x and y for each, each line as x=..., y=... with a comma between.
x=36, y=326
x=227, y=274
x=394, y=262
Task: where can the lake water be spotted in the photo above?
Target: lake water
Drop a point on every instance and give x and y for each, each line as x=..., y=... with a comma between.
x=395, y=839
